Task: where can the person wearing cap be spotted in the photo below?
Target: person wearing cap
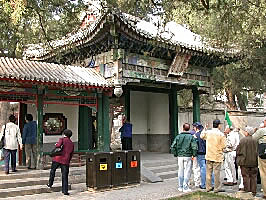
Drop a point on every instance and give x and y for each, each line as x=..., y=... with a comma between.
x=215, y=143
x=195, y=164
x=260, y=137
x=232, y=141
x=201, y=156
x=247, y=159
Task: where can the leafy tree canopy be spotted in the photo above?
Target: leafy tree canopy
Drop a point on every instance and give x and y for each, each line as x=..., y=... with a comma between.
x=35, y=21
x=237, y=24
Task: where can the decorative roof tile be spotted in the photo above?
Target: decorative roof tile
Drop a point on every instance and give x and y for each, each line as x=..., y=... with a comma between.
x=174, y=35
x=12, y=68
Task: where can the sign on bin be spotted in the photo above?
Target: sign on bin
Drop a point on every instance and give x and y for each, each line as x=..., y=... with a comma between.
x=119, y=168
x=133, y=167
x=134, y=164
x=118, y=165
x=103, y=167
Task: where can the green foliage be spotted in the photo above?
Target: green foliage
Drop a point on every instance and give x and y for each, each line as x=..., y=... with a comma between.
x=35, y=21
x=228, y=24
x=233, y=26
x=185, y=99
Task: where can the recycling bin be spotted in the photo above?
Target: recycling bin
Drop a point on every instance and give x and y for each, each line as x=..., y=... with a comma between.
x=133, y=166
x=119, y=170
x=98, y=170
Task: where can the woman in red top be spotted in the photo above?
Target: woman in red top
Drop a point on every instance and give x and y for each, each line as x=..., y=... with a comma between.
x=62, y=161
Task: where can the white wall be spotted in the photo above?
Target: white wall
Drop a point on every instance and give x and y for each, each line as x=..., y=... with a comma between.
x=139, y=112
x=70, y=112
x=158, y=114
x=239, y=119
x=149, y=113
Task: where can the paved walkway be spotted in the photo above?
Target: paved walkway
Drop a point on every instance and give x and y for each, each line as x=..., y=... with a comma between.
x=143, y=191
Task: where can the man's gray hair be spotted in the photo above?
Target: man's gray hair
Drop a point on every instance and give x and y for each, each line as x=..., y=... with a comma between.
x=250, y=130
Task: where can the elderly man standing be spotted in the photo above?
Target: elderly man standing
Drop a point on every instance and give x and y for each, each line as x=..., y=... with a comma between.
x=247, y=159
x=232, y=141
x=184, y=148
x=215, y=143
x=260, y=137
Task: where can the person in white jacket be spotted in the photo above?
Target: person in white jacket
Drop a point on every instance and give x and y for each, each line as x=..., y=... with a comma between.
x=232, y=141
x=12, y=140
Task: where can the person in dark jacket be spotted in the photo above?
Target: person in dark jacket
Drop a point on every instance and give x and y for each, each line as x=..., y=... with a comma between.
x=247, y=159
x=126, y=135
x=62, y=161
x=29, y=140
x=195, y=163
x=201, y=155
x=184, y=148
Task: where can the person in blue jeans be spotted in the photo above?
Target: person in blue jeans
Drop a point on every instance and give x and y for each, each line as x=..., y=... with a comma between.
x=201, y=156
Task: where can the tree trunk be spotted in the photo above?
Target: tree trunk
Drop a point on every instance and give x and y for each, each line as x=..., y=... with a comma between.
x=264, y=102
x=241, y=101
x=231, y=103
x=4, y=112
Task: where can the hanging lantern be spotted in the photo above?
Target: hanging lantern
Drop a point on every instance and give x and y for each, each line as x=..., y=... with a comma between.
x=118, y=91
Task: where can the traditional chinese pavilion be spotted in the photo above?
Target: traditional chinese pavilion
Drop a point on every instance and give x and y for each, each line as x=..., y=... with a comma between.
x=59, y=97
x=147, y=69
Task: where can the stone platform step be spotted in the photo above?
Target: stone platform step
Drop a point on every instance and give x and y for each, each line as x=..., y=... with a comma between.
x=29, y=190
x=168, y=175
x=53, y=194
x=13, y=183
x=30, y=182
x=159, y=163
x=164, y=169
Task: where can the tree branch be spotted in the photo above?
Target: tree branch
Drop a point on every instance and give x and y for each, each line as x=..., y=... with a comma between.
x=42, y=27
x=206, y=4
x=44, y=32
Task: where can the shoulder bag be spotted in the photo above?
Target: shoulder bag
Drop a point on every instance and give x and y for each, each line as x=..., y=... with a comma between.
x=57, y=151
x=2, y=141
x=262, y=150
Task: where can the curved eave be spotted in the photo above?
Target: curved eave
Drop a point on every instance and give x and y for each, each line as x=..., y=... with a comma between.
x=57, y=84
x=93, y=33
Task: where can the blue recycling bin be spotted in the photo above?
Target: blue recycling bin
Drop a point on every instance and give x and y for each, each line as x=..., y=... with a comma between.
x=119, y=168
